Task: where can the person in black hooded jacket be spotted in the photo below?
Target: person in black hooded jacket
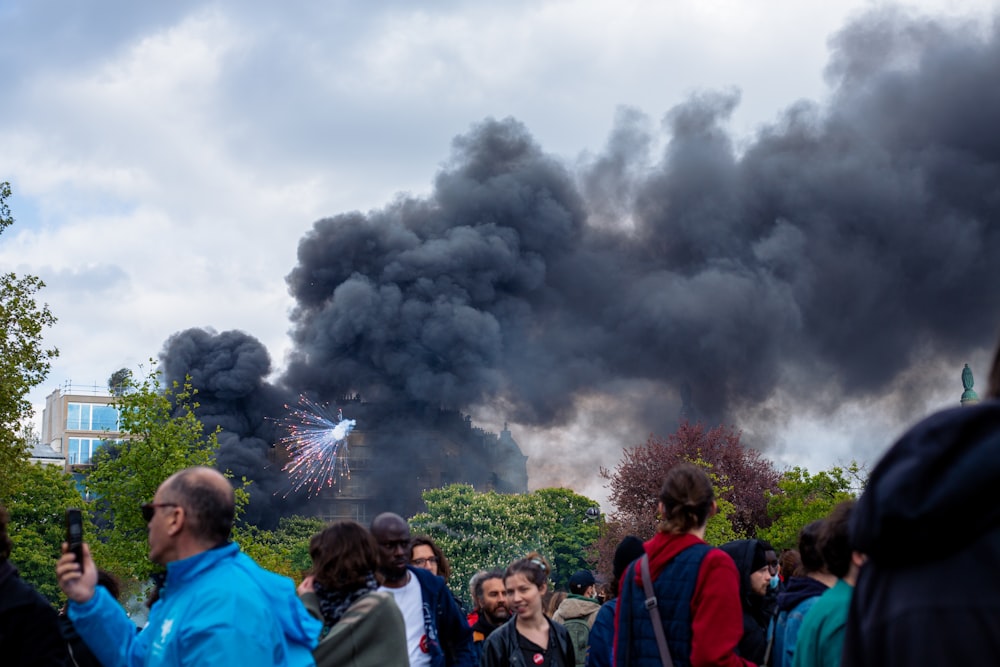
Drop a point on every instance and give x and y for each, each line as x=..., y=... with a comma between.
x=755, y=571
x=930, y=511
x=29, y=626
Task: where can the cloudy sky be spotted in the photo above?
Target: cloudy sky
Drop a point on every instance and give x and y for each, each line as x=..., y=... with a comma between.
x=167, y=158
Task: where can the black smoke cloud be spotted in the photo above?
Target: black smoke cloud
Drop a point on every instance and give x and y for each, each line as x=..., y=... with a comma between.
x=825, y=257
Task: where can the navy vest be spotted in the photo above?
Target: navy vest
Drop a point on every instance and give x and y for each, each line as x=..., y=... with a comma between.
x=674, y=589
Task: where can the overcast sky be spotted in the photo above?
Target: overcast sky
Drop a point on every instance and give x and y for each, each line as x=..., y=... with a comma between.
x=167, y=158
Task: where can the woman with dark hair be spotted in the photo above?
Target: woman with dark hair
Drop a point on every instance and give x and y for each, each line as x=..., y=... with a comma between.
x=424, y=553
x=530, y=638
x=697, y=587
x=362, y=627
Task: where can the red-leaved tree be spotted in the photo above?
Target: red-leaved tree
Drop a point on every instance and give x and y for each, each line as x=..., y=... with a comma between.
x=744, y=476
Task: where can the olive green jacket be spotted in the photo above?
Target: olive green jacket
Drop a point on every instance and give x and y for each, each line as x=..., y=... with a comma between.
x=370, y=634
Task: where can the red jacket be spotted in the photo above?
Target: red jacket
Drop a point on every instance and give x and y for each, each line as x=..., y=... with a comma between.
x=716, y=612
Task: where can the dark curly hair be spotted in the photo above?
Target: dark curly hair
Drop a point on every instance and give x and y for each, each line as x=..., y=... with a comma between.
x=343, y=555
x=444, y=570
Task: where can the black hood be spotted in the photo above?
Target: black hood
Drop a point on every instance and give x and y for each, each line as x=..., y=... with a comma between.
x=798, y=590
x=742, y=552
x=934, y=491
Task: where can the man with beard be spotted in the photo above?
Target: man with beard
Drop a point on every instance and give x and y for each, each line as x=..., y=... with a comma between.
x=437, y=633
x=755, y=571
x=490, y=597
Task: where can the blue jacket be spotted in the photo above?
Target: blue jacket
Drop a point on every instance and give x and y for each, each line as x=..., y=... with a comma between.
x=216, y=608
x=449, y=637
x=798, y=598
x=674, y=588
x=602, y=636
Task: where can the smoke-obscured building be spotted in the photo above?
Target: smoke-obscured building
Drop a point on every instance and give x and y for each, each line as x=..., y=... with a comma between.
x=391, y=465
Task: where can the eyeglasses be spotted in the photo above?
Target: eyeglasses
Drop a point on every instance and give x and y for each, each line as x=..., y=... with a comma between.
x=420, y=562
x=149, y=509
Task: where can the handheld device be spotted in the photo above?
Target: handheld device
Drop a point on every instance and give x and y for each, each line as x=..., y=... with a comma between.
x=74, y=534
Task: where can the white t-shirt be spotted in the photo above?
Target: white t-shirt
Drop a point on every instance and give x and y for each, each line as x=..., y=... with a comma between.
x=410, y=601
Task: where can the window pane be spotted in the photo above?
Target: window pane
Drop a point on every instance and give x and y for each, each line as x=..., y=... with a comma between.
x=105, y=418
x=73, y=416
x=74, y=451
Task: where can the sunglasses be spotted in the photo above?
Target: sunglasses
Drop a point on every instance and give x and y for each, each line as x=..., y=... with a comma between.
x=149, y=509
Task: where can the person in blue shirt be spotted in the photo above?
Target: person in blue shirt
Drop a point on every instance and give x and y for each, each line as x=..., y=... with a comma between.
x=217, y=606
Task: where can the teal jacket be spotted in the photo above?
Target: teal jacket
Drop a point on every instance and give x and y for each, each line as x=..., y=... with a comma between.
x=821, y=637
x=216, y=608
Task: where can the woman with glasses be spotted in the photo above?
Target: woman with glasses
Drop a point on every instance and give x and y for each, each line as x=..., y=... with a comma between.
x=696, y=587
x=362, y=627
x=424, y=553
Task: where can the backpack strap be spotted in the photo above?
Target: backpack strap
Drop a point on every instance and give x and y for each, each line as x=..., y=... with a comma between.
x=654, y=612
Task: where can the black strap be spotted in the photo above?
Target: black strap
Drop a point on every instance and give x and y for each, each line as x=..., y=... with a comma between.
x=654, y=612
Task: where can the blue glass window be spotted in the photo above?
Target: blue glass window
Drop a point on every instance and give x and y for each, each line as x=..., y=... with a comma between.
x=105, y=418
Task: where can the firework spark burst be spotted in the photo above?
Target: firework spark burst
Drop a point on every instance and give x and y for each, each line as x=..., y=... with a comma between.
x=317, y=447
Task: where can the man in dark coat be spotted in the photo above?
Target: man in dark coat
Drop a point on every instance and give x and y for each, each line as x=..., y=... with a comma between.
x=437, y=632
x=755, y=571
x=29, y=626
x=930, y=514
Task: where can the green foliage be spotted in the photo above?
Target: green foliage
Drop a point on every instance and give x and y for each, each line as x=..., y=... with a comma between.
x=37, y=503
x=478, y=531
x=161, y=435
x=802, y=498
x=719, y=528
x=24, y=362
x=285, y=549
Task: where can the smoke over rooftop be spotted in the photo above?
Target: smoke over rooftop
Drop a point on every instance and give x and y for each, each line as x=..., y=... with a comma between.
x=825, y=257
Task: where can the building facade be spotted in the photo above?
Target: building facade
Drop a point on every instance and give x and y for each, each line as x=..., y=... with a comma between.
x=76, y=422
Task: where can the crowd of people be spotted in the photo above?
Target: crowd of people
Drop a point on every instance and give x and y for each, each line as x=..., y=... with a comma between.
x=866, y=585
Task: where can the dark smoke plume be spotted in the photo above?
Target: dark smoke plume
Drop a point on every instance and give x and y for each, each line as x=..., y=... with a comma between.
x=842, y=245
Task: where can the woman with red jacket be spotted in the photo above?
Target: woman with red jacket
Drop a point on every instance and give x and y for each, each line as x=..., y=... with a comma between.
x=697, y=586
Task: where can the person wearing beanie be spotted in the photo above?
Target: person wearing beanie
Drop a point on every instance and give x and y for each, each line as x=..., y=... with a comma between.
x=578, y=611
x=602, y=633
x=755, y=571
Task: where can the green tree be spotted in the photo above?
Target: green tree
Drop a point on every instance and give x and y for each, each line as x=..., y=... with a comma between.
x=479, y=531
x=160, y=435
x=285, y=549
x=118, y=381
x=802, y=498
x=24, y=361
x=37, y=504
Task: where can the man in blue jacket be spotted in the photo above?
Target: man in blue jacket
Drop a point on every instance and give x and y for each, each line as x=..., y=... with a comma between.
x=217, y=606
x=437, y=632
